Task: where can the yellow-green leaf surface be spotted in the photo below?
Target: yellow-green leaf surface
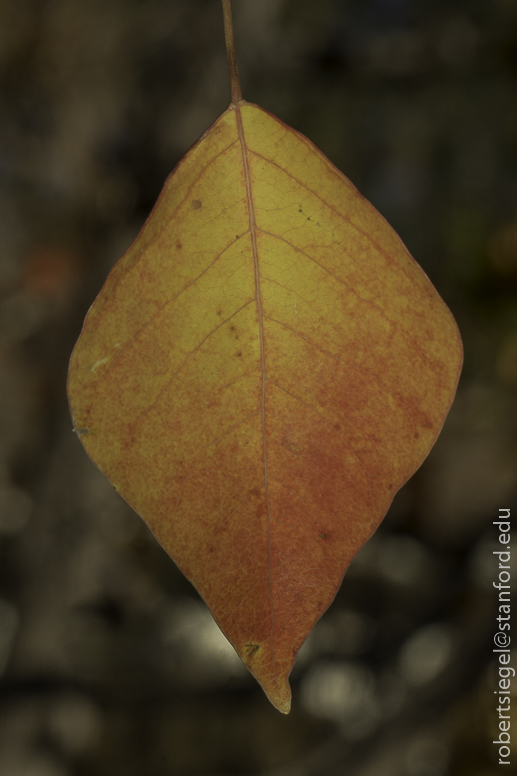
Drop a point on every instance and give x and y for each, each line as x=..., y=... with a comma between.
x=262, y=371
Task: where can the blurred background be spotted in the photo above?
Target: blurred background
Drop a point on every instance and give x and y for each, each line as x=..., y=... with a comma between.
x=109, y=662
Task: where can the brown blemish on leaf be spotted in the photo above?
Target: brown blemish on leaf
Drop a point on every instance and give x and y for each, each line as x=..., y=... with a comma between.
x=196, y=204
x=251, y=649
x=286, y=442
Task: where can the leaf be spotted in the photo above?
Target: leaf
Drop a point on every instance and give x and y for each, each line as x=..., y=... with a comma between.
x=262, y=371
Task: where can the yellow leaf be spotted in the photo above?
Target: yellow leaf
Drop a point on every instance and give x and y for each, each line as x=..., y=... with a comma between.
x=262, y=371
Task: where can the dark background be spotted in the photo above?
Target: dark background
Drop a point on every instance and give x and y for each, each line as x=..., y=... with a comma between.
x=109, y=663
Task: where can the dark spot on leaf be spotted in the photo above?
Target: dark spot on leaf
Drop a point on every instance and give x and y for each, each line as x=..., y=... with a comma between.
x=196, y=204
x=252, y=649
x=178, y=245
x=299, y=210
x=323, y=536
x=232, y=328
x=84, y=431
x=239, y=353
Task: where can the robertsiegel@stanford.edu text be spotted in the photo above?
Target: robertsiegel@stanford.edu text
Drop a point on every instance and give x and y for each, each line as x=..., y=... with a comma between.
x=502, y=638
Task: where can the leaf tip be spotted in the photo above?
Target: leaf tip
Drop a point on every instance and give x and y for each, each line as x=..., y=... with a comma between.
x=284, y=707
x=280, y=696
x=275, y=684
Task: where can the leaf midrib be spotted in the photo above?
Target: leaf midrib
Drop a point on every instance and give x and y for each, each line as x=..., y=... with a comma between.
x=253, y=234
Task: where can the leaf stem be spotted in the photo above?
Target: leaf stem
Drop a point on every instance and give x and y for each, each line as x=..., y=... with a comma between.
x=235, y=85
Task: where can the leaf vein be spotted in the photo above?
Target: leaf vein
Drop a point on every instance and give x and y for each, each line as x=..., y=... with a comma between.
x=350, y=364
x=169, y=382
x=131, y=343
x=328, y=205
x=352, y=290
x=253, y=230
x=203, y=451
x=188, y=192
x=345, y=442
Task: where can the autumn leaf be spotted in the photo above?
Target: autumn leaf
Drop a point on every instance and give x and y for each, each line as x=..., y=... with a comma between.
x=262, y=371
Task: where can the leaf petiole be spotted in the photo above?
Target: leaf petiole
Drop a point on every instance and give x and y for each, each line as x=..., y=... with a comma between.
x=235, y=85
